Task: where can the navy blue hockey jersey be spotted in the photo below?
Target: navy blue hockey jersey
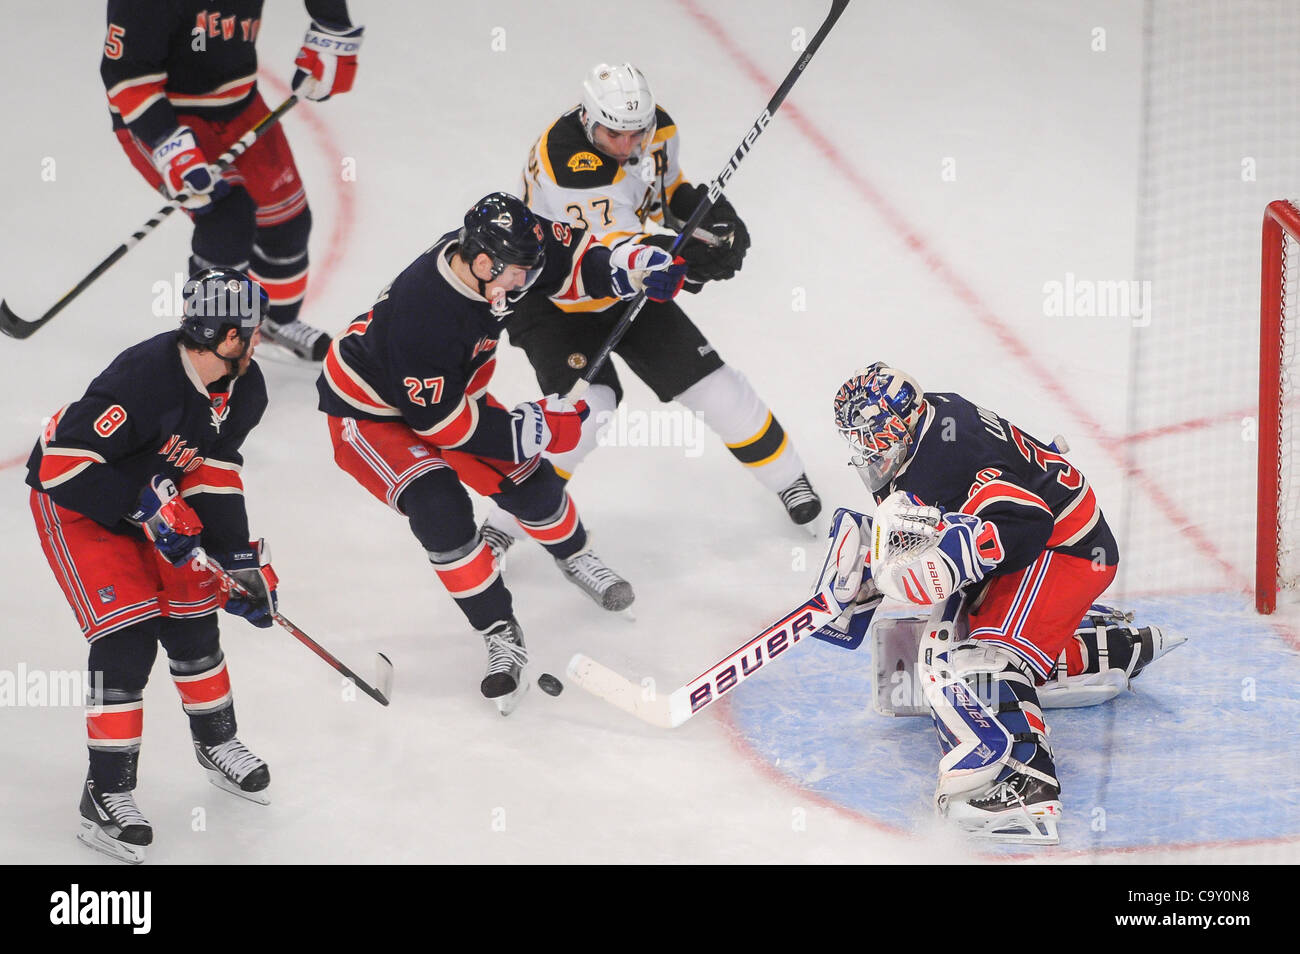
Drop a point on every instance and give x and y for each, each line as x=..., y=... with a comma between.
x=969, y=459
x=425, y=353
x=148, y=414
x=167, y=56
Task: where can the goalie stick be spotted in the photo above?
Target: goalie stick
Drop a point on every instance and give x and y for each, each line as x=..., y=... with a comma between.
x=384, y=667
x=668, y=712
x=16, y=327
x=716, y=188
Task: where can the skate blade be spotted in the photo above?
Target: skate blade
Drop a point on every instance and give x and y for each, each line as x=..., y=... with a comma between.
x=1024, y=828
x=1165, y=642
x=92, y=836
x=628, y=614
x=508, y=703
x=225, y=784
x=811, y=527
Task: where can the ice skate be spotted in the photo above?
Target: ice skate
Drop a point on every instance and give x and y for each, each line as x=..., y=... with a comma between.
x=504, y=682
x=302, y=339
x=230, y=766
x=801, y=502
x=586, y=571
x=498, y=542
x=111, y=823
x=1020, y=810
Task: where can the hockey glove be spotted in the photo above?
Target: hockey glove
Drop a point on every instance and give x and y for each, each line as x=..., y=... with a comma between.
x=551, y=424
x=185, y=171
x=638, y=267
x=720, y=258
x=167, y=520
x=923, y=555
x=251, y=569
x=327, y=62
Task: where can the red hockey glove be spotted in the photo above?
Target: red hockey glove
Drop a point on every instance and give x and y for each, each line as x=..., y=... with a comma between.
x=327, y=62
x=167, y=520
x=551, y=424
x=184, y=169
x=638, y=267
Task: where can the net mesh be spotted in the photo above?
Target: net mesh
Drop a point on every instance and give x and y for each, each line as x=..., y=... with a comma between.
x=1221, y=139
x=1288, y=529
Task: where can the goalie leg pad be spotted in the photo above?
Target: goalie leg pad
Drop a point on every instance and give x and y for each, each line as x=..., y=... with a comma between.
x=1105, y=655
x=989, y=721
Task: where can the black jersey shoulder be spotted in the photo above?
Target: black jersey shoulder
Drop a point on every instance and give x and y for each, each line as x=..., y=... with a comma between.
x=570, y=158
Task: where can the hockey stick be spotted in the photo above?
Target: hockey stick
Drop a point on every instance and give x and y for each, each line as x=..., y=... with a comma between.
x=668, y=712
x=201, y=559
x=16, y=327
x=716, y=188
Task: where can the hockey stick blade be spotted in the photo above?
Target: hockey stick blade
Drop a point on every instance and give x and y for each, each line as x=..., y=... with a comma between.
x=14, y=326
x=716, y=681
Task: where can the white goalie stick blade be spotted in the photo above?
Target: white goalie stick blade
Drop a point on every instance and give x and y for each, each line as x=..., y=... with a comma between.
x=384, y=675
x=671, y=711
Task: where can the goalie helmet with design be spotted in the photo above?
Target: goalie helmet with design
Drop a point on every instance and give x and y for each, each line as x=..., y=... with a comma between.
x=618, y=98
x=877, y=411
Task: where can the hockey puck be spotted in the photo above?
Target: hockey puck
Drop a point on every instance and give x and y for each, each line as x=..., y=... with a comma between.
x=549, y=684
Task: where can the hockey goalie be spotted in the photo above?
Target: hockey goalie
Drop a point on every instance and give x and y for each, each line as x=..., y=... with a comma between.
x=999, y=540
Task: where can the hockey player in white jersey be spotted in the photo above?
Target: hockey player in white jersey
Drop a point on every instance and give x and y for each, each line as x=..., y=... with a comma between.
x=1001, y=539
x=610, y=165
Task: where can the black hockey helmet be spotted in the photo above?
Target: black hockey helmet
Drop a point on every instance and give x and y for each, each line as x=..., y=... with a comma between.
x=217, y=299
x=503, y=228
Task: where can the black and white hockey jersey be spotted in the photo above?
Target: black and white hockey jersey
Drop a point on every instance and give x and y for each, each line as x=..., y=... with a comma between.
x=149, y=414
x=425, y=352
x=969, y=459
x=167, y=56
x=566, y=178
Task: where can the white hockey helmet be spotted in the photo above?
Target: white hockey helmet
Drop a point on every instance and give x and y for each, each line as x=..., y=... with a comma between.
x=617, y=97
x=877, y=411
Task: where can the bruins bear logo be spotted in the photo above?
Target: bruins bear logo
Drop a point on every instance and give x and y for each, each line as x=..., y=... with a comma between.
x=577, y=361
x=584, y=162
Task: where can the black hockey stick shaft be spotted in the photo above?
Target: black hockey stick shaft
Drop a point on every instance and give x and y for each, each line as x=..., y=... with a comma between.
x=201, y=558
x=716, y=188
x=16, y=327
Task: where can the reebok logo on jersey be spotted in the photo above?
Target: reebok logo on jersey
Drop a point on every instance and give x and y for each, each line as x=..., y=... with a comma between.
x=584, y=162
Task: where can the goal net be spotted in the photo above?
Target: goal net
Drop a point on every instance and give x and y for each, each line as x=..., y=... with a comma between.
x=1221, y=141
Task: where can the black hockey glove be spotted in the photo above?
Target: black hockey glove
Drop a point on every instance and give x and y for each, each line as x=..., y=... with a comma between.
x=711, y=262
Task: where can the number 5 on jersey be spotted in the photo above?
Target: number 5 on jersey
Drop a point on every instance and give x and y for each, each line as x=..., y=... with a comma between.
x=414, y=386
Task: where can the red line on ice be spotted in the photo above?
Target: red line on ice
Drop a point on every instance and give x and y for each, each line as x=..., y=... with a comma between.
x=1000, y=331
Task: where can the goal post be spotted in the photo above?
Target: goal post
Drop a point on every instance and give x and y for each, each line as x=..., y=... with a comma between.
x=1277, y=523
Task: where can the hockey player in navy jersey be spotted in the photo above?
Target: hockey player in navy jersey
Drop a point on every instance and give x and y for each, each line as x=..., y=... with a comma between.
x=406, y=390
x=610, y=166
x=976, y=515
x=125, y=482
x=181, y=78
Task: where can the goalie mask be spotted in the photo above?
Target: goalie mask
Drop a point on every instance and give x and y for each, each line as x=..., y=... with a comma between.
x=877, y=411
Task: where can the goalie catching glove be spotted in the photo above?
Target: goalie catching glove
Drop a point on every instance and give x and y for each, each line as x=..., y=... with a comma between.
x=922, y=555
x=251, y=569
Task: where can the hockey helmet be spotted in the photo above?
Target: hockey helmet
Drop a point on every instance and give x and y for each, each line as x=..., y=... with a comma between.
x=878, y=410
x=506, y=231
x=217, y=299
x=617, y=97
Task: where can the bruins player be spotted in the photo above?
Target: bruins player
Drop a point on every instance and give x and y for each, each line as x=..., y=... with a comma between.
x=607, y=166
